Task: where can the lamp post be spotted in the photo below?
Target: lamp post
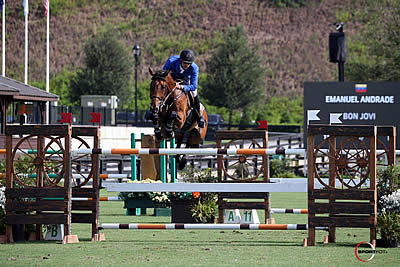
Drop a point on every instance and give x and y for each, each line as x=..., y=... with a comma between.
x=337, y=48
x=136, y=53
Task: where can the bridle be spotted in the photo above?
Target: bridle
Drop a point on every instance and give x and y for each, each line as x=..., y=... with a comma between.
x=163, y=100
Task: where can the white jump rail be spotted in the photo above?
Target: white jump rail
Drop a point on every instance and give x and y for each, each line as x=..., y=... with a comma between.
x=209, y=187
x=206, y=226
x=203, y=151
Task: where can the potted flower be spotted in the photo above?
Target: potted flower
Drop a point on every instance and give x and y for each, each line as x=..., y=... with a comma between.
x=181, y=206
x=162, y=204
x=135, y=200
x=206, y=209
x=195, y=207
x=388, y=187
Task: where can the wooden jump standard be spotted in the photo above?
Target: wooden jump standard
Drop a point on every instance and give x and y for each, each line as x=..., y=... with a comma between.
x=350, y=204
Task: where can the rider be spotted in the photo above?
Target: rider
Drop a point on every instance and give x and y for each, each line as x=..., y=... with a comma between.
x=183, y=68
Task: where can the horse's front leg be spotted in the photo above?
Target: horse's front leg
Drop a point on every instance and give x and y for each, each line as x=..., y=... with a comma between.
x=170, y=123
x=157, y=130
x=180, y=159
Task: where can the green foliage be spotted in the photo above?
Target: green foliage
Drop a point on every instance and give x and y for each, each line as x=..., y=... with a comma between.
x=389, y=227
x=388, y=185
x=235, y=74
x=388, y=181
x=107, y=70
x=60, y=85
x=374, y=53
x=279, y=168
x=206, y=209
x=281, y=110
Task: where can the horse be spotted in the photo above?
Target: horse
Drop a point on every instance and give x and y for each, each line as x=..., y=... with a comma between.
x=173, y=115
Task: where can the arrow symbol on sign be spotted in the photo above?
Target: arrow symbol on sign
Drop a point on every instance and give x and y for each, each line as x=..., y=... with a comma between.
x=312, y=115
x=334, y=118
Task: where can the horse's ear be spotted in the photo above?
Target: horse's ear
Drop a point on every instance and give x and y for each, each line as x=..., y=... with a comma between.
x=151, y=71
x=166, y=73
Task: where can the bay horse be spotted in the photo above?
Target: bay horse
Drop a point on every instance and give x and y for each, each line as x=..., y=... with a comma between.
x=173, y=114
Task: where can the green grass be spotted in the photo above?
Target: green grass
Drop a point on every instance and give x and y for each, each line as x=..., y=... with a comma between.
x=194, y=248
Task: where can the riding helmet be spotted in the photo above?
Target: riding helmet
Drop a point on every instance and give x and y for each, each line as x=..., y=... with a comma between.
x=187, y=56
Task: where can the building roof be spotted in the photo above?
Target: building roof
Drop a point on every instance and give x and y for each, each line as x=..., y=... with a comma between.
x=24, y=92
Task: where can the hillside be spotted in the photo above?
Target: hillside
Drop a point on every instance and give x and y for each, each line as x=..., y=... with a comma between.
x=293, y=42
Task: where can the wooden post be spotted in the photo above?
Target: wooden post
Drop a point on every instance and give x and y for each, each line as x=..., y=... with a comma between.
x=310, y=187
x=219, y=161
x=39, y=179
x=267, y=199
x=332, y=184
x=67, y=181
x=9, y=183
x=372, y=162
x=95, y=185
x=392, y=149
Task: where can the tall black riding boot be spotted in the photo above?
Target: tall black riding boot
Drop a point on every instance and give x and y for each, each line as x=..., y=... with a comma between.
x=200, y=119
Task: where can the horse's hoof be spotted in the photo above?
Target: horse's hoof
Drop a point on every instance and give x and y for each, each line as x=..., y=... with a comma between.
x=158, y=136
x=170, y=134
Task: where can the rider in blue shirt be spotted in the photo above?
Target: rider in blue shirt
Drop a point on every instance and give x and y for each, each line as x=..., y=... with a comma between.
x=183, y=68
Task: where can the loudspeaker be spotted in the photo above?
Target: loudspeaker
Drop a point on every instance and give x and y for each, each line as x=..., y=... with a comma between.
x=337, y=47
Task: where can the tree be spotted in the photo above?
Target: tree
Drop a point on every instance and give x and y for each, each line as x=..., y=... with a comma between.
x=374, y=55
x=107, y=70
x=235, y=74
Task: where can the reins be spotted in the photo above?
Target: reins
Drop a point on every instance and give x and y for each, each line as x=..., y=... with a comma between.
x=163, y=100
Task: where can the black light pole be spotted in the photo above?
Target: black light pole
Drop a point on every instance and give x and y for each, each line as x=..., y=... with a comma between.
x=136, y=52
x=337, y=49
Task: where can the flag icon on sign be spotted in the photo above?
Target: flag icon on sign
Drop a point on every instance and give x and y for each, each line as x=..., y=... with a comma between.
x=361, y=88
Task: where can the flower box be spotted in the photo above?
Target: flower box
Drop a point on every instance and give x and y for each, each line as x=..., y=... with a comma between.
x=132, y=204
x=162, y=211
x=181, y=211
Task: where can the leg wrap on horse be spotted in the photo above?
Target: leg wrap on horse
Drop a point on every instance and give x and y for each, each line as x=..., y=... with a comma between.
x=157, y=133
x=169, y=125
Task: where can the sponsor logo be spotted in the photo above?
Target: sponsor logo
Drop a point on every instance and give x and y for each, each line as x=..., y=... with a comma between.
x=364, y=254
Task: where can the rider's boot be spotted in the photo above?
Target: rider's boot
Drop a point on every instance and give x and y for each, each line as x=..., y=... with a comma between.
x=200, y=120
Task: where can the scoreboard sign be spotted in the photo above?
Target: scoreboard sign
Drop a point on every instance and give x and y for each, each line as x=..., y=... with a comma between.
x=352, y=103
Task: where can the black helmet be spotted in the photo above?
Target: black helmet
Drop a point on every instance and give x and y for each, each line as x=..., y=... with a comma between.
x=187, y=56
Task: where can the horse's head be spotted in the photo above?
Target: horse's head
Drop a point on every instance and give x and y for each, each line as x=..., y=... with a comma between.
x=161, y=84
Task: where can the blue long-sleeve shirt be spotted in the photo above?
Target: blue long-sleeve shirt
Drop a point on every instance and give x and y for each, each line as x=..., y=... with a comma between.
x=191, y=74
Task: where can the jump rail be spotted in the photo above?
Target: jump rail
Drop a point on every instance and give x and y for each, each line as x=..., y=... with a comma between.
x=209, y=187
x=188, y=151
x=207, y=226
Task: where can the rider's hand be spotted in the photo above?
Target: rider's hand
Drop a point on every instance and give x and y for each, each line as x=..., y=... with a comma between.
x=180, y=87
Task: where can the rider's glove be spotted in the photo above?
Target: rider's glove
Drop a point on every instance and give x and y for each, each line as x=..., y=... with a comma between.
x=180, y=87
